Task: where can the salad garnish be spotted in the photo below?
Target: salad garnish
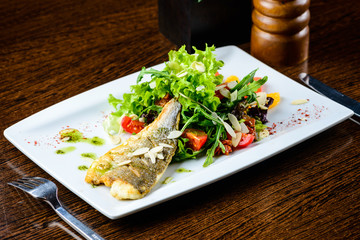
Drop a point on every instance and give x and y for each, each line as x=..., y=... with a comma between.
x=216, y=118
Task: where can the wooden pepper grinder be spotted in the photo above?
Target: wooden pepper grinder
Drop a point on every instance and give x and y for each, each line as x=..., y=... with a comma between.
x=280, y=31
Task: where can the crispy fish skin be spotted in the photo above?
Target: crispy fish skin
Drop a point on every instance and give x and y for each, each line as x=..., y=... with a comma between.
x=132, y=177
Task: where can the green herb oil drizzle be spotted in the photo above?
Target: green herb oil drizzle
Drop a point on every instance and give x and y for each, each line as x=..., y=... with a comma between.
x=72, y=135
x=65, y=150
x=168, y=180
x=83, y=168
x=89, y=155
x=181, y=170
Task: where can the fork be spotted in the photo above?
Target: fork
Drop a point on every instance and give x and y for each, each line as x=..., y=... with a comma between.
x=47, y=190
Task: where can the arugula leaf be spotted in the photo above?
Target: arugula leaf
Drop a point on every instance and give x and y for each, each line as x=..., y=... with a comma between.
x=248, y=90
x=247, y=79
x=183, y=153
x=192, y=79
x=189, y=121
x=210, y=152
x=153, y=72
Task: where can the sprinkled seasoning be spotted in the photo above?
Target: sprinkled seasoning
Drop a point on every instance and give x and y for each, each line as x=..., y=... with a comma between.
x=300, y=117
x=53, y=141
x=42, y=141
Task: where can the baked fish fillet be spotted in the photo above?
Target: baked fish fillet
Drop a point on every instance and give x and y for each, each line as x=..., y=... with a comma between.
x=134, y=167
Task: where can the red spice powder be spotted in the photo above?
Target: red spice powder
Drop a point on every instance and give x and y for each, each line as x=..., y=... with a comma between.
x=299, y=117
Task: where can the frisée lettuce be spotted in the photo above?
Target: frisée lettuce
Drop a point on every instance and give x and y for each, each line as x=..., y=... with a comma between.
x=195, y=81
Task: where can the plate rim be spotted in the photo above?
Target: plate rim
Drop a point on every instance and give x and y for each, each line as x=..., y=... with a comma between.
x=10, y=131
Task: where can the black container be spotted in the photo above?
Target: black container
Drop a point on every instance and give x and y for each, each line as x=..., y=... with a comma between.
x=215, y=22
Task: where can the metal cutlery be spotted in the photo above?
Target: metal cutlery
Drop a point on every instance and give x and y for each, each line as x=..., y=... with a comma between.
x=331, y=93
x=46, y=190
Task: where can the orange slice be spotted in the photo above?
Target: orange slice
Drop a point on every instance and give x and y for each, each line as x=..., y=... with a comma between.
x=276, y=97
x=232, y=78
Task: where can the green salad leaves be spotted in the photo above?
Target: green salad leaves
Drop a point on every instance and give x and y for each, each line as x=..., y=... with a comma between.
x=192, y=79
x=190, y=74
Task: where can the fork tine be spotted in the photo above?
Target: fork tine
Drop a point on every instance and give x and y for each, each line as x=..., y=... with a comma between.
x=20, y=186
x=46, y=190
x=28, y=183
x=31, y=180
x=38, y=180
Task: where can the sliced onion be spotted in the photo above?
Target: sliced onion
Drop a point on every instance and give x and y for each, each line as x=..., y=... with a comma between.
x=244, y=128
x=233, y=96
x=124, y=163
x=261, y=98
x=174, y=134
x=213, y=114
x=165, y=145
x=152, y=156
x=235, y=140
x=234, y=122
x=140, y=151
x=299, y=101
x=232, y=84
x=218, y=87
x=157, y=149
x=225, y=92
x=229, y=129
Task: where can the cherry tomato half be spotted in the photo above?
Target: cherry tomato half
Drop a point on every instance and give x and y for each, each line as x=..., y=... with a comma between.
x=131, y=126
x=197, y=138
x=246, y=140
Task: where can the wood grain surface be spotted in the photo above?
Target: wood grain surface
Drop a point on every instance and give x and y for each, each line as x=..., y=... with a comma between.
x=53, y=50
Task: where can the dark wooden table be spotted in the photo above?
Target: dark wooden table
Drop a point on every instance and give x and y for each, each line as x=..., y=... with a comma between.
x=53, y=50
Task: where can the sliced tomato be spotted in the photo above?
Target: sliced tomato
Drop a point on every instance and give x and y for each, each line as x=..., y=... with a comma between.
x=131, y=126
x=217, y=74
x=197, y=138
x=246, y=140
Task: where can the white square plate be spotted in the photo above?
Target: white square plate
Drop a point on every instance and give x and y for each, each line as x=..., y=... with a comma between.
x=37, y=136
